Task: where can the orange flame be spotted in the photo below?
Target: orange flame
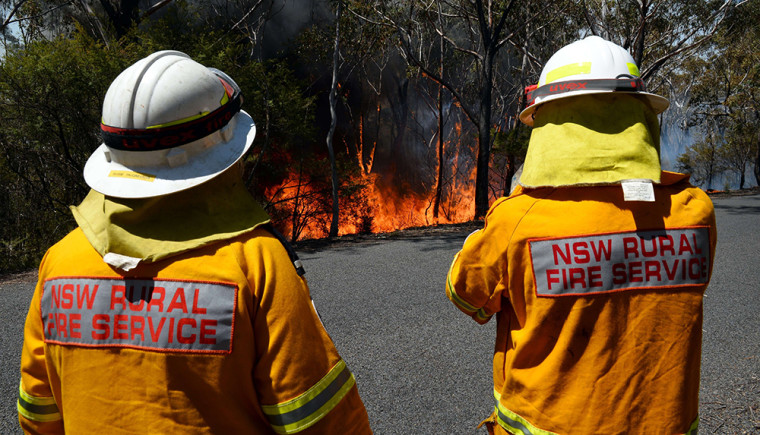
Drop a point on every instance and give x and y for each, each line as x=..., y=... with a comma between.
x=375, y=204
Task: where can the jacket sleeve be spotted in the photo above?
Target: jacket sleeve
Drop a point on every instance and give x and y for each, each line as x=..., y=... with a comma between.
x=38, y=412
x=477, y=276
x=303, y=384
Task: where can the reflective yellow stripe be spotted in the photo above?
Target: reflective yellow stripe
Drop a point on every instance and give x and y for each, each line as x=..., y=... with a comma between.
x=305, y=410
x=517, y=425
x=633, y=69
x=461, y=303
x=514, y=423
x=41, y=409
x=181, y=121
x=223, y=101
x=693, y=428
x=568, y=70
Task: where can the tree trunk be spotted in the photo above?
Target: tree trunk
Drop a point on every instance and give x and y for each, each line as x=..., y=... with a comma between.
x=510, y=174
x=517, y=124
x=641, y=36
x=400, y=111
x=123, y=16
x=484, y=139
x=439, y=178
x=296, y=217
x=333, y=123
x=757, y=158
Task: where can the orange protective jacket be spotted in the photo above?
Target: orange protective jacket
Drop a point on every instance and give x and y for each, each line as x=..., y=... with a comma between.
x=598, y=304
x=221, y=339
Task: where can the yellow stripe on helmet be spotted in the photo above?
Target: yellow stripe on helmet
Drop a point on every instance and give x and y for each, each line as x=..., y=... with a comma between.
x=568, y=70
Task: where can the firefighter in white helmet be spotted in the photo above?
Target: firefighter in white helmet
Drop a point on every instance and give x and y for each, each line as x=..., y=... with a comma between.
x=174, y=307
x=595, y=266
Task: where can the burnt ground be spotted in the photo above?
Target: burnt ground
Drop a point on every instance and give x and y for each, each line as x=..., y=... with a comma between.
x=729, y=193
x=405, y=234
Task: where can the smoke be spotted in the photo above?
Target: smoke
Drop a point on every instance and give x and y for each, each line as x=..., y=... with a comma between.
x=288, y=18
x=677, y=136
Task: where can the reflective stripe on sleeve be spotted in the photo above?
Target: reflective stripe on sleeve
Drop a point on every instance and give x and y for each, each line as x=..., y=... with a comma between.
x=41, y=409
x=514, y=423
x=307, y=409
x=517, y=425
x=461, y=303
x=693, y=428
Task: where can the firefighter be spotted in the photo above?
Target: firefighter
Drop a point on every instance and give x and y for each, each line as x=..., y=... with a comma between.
x=174, y=307
x=595, y=266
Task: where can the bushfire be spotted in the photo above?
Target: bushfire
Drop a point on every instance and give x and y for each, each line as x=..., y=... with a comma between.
x=377, y=200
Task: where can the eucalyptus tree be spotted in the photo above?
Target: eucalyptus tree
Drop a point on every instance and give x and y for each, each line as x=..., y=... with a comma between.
x=50, y=98
x=725, y=95
x=660, y=34
x=741, y=145
x=334, y=120
x=701, y=159
x=476, y=29
x=724, y=82
x=51, y=90
x=740, y=53
x=9, y=14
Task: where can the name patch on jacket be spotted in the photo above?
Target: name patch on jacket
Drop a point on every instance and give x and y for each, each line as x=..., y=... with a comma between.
x=162, y=315
x=595, y=264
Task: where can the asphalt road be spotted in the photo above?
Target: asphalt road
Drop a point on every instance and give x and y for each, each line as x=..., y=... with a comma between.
x=423, y=367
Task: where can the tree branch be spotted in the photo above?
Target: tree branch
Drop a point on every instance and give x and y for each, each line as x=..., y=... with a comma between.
x=18, y=20
x=656, y=65
x=154, y=8
x=13, y=11
x=500, y=26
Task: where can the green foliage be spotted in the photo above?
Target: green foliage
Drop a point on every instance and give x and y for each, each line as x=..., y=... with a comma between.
x=509, y=150
x=741, y=145
x=512, y=142
x=701, y=159
x=725, y=85
x=50, y=108
x=50, y=96
x=55, y=73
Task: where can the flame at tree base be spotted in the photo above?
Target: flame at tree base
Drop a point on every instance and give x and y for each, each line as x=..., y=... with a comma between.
x=368, y=204
x=386, y=210
x=381, y=198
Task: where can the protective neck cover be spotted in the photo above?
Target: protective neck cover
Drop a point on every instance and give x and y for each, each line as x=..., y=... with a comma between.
x=592, y=139
x=152, y=229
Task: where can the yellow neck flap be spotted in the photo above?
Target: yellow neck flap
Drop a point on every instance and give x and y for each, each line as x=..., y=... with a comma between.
x=152, y=229
x=593, y=139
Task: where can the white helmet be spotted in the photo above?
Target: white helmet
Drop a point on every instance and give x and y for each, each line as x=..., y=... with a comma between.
x=588, y=66
x=169, y=123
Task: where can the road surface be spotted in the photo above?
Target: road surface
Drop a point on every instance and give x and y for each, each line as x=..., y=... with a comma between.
x=423, y=367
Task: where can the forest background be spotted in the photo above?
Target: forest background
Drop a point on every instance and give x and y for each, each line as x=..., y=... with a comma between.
x=372, y=116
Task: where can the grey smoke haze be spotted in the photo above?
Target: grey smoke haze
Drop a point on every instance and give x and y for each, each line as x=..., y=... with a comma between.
x=289, y=18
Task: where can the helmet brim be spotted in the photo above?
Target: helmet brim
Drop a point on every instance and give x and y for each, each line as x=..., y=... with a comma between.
x=120, y=181
x=657, y=102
